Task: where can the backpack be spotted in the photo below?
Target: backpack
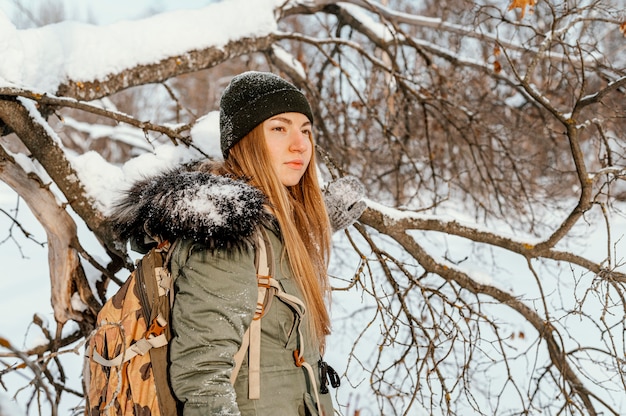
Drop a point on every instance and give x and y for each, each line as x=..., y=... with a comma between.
x=125, y=370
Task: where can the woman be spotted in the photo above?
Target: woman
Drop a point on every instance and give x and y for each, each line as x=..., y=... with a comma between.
x=267, y=181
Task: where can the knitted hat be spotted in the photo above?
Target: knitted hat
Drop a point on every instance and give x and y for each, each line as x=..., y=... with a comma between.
x=251, y=98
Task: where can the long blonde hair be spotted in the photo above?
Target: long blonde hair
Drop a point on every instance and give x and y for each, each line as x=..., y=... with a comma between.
x=303, y=221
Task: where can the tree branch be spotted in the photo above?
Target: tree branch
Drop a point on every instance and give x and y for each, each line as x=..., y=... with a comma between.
x=66, y=272
x=192, y=61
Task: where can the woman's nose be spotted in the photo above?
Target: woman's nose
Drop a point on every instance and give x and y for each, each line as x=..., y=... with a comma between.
x=299, y=141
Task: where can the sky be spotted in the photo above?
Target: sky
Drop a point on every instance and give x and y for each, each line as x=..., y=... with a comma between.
x=41, y=59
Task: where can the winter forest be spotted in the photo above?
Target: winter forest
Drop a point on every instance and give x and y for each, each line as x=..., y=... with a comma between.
x=487, y=275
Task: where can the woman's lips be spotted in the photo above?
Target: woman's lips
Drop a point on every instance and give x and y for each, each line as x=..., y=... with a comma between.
x=295, y=164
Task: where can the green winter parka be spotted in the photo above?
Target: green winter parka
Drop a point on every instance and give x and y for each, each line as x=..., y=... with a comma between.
x=214, y=220
x=216, y=295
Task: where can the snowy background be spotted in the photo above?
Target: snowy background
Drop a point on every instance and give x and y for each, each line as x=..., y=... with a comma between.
x=40, y=59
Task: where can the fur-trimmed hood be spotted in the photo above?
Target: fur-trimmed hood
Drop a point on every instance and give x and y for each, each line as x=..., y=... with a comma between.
x=189, y=202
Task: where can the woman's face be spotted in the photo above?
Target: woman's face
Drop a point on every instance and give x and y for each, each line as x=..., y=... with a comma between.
x=288, y=139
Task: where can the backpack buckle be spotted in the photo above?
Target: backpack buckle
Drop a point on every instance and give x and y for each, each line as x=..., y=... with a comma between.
x=157, y=327
x=299, y=358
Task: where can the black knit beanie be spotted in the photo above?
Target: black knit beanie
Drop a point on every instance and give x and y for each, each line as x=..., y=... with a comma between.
x=251, y=98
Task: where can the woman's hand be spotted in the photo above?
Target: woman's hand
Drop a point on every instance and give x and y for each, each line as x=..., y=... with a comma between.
x=344, y=202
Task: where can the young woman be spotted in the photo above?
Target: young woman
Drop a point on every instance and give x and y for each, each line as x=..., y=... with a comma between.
x=214, y=211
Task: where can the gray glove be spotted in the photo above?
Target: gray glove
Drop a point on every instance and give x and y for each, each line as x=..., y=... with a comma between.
x=344, y=202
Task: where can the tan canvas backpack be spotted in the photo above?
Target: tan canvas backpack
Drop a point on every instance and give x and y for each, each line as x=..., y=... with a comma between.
x=125, y=370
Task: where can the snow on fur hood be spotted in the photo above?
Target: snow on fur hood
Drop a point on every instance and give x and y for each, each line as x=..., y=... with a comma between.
x=189, y=202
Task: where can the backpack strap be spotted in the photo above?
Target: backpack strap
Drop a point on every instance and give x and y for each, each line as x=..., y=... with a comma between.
x=264, y=261
x=251, y=342
x=140, y=347
x=268, y=287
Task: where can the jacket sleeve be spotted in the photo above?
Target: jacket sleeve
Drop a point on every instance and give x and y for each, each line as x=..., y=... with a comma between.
x=216, y=294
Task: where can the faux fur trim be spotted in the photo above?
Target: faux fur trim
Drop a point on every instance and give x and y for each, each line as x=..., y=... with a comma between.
x=182, y=203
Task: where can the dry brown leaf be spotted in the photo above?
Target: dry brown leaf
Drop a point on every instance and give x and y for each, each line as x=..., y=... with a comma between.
x=522, y=4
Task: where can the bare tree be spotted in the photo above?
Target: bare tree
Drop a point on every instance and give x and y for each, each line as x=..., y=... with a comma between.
x=491, y=139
